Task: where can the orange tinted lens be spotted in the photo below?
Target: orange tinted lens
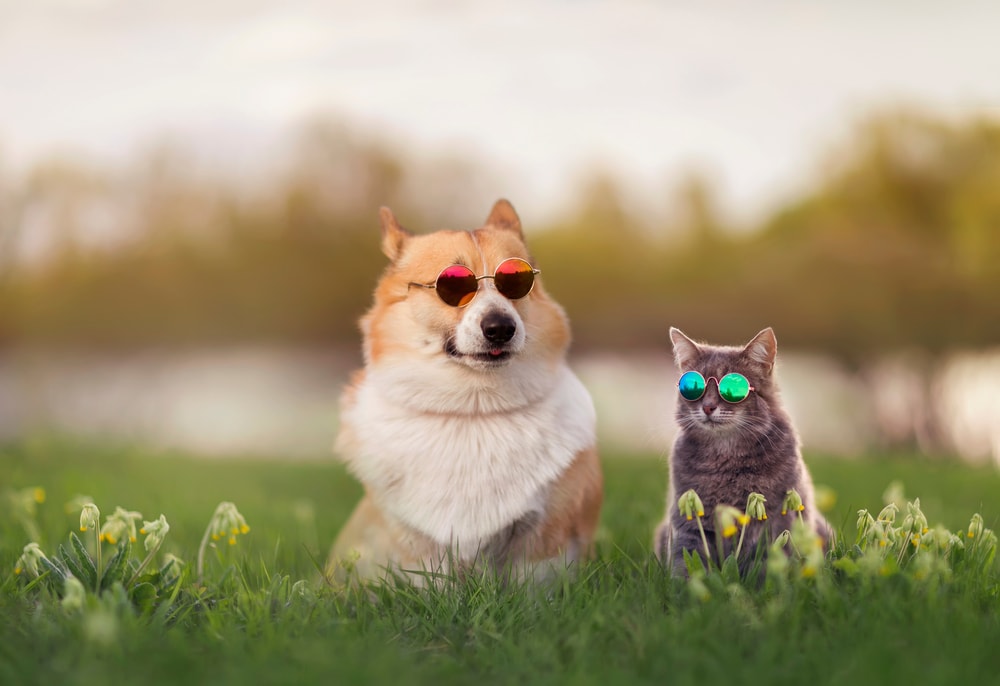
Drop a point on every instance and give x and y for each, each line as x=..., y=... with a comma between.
x=514, y=278
x=456, y=285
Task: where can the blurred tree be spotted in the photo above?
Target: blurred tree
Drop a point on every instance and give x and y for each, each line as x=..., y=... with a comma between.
x=597, y=263
x=897, y=246
x=900, y=245
x=699, y=216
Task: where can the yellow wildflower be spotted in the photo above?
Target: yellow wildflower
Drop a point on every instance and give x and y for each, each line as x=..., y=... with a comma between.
x=31, y=557
x=755, y=507
x=726, y=517
x=690, y=504
x=792, y=502
x=155, y=531
x=975, y=525
x=90, y=517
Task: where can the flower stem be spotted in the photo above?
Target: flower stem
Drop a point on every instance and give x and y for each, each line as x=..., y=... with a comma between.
x=145, y=563
x=201, y=553
x=100, y=566
x=704, y=540
x=739, y=543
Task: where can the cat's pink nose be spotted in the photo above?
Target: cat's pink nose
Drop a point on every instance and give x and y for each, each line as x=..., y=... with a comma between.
x=708, y=409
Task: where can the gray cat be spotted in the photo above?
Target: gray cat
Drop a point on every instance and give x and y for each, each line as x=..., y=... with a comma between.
x=735, y=439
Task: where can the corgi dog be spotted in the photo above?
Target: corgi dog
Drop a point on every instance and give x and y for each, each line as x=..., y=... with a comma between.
x=474, y=441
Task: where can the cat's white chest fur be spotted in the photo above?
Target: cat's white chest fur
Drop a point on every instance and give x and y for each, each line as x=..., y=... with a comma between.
x=461, y=477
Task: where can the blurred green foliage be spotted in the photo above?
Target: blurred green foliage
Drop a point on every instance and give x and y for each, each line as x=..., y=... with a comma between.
x=896, y=246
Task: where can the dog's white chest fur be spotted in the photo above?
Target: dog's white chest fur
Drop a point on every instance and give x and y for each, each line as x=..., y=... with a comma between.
x=462, y=471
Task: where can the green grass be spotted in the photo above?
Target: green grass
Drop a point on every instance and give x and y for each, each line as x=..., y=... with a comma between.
x=622, y=620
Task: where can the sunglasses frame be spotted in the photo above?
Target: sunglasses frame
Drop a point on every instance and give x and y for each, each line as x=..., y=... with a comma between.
x=434, y=285
x=750, y=388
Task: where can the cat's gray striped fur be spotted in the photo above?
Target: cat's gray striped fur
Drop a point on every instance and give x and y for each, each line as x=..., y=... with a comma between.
x=726, y=451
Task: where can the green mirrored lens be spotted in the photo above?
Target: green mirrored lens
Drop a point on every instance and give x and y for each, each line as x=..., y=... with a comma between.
x=734, y=387
x=691, y=385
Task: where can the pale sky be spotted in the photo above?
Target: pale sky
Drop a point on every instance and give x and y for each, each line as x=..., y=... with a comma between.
x=537, y=90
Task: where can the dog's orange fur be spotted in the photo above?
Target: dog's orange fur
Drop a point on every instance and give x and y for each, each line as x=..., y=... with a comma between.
x=401, y=329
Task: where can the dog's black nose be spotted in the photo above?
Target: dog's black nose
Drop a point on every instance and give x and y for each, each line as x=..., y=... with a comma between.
x=498, y=327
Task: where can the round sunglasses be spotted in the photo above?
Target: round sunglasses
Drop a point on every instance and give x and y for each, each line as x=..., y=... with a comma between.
x=457, y=285
x=733, y=387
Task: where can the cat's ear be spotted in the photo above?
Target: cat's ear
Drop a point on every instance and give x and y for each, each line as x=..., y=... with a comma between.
x=686, y=351
x=763, y=349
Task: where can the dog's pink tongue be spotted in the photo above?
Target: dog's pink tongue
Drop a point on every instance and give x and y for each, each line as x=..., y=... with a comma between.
x=496, y=352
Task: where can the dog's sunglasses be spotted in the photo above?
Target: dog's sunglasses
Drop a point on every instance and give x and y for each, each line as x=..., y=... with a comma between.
x=733, y=387
x=457, y=285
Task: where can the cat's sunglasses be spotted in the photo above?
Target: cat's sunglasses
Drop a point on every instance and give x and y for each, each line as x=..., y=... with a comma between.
x=457, y=285
x=733, y=387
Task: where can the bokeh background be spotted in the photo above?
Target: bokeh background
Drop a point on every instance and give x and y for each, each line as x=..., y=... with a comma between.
x=189, y=195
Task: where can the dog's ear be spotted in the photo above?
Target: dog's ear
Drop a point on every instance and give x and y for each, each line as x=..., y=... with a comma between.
x=503, y=216
x=686, y=351
x=394, y=236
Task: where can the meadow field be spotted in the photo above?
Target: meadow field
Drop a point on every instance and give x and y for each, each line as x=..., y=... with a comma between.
x=190, y=234
x=260, y=614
